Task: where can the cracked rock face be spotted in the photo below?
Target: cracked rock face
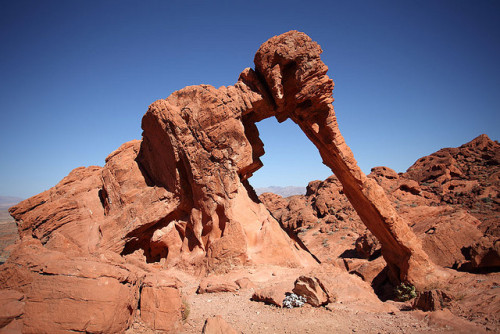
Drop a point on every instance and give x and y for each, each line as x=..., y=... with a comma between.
x=181, y=196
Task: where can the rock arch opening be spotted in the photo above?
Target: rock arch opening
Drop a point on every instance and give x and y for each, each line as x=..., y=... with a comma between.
x=290, y=159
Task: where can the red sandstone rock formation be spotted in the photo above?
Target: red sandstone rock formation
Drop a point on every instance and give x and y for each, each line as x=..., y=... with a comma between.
x=313, y=290
x=181, y=197
x=432, y=300
x=11, y=310
x=217, y=325
x=468, y=176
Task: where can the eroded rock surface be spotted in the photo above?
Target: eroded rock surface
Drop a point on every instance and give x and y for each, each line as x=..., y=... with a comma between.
x=431, y=300
x=313, y=290
x=217, y=325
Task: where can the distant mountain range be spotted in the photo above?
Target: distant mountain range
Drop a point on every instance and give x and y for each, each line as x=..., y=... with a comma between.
x=282, y=191
x=8, y=201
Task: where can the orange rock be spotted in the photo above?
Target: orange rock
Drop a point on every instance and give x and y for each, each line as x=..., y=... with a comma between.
x=369, y=270
x=273, y=295
x=11, y=309
x=199, y=147
x=468, y=175
x=161, y=308
x=486, y=253
x=68, y=293
x=445, y=233
x=367, y=245
x=301, y=90
x=431, y=300
x=217, y=284
x=344, y=288
x=313, y=290
x=245, y=283
x=217, y=325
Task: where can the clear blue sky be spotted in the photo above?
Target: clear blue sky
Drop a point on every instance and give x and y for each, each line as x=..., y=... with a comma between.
x=76, y=77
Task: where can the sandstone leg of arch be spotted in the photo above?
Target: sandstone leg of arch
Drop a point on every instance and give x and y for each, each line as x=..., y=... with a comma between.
x=400, y=247
x=296, y=81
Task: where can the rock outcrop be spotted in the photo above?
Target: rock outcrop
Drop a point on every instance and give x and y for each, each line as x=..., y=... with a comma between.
x=313, y=290
x=217, y=325
x=181, y=197
x=66, y=293
x=11, y=311
x=468, y=176
x=300, y=90
x=431, y=300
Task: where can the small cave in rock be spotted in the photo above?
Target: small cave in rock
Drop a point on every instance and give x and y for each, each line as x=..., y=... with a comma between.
x=159, y=239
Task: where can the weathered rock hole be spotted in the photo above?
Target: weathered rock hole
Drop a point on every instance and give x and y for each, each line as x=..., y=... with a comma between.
x=144, y=239
x=411, y=190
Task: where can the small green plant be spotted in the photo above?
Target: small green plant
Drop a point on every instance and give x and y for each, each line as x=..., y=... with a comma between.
x=325, y=243
x=405, y=292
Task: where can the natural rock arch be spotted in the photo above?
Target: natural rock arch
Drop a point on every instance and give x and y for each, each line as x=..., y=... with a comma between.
x=181, y=195
x=289, y=81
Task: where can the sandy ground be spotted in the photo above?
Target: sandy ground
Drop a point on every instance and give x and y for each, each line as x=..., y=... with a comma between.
x=247, y=316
